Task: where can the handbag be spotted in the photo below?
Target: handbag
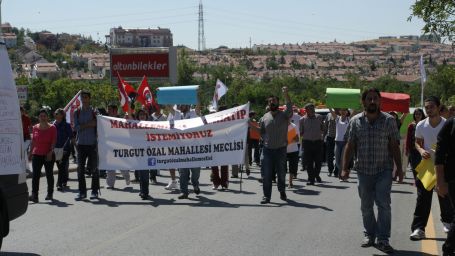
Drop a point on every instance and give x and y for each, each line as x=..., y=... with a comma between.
x=58, y=152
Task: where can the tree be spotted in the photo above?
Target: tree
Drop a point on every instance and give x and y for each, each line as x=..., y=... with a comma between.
x=185, y=68
x=441, y=83
x=438, y=15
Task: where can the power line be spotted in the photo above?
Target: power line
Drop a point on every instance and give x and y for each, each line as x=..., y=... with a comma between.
x=272, y=20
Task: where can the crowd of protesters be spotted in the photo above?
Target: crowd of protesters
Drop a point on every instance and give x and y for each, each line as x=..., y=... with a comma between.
x=366, y=142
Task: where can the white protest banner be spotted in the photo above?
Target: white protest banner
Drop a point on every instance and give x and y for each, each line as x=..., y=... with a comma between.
x=141, y=145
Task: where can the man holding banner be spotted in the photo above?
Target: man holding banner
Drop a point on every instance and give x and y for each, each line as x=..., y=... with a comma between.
x=274, y=131
x=184, y=112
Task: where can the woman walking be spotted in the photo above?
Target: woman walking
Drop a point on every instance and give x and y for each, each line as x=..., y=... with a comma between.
x=44, y=137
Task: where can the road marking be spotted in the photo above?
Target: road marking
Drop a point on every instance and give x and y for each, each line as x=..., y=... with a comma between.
x=430, y=246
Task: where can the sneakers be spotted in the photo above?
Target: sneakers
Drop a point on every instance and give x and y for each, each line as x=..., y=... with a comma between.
x=172, y=185
x=183, y=196
x=417, y=235
x=265, y=200
x=49, y=197
x=367, y=241
x=94, y=195
x=33, y=198
x=215, y=187
x=446, y=227
x=80, y=197
x=385, y=247
x=283, y=196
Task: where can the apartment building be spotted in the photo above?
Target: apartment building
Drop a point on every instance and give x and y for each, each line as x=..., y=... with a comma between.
x=120, y=37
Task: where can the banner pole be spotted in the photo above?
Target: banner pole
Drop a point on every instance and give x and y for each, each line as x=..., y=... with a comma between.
x=241, y=176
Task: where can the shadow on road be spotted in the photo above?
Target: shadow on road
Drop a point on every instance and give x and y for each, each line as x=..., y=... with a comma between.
x=407, y=253
x=201, y=201
x=58, y=203
x=436, y=239
x=400, y=192
x=331, y=186
x=306, y=192
x=18, y=253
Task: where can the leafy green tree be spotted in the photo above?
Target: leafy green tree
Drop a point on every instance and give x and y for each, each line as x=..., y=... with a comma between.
x=185, y=68
x=438, y=15
x=441, y=83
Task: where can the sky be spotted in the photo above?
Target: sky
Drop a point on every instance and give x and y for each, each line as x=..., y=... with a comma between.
x=232, y=23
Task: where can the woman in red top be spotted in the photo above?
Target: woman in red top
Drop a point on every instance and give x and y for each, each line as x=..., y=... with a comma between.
x=410, y=150
x=44, y=137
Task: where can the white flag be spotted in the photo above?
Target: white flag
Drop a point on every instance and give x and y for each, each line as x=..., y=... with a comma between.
x=423, y=79
x=220, y=91
x=74, y=103
x=423, y=75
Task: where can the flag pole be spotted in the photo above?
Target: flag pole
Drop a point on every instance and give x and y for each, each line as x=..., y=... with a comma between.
x=423, y=79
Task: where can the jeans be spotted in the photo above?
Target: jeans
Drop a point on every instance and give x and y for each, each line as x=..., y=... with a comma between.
x=274, y=159
x=449, y=244
x=144, y=176
x=376, y=189
x=293, y=159
x=253, y=144
x=62, y=166
x=185, y=177
x=111, y=177
x=153, y=174
x=37, y=164
x=423, y=207
x=312, y=154
x=85, y=152
x=339, y=149
x=223, y=180
x=330, y=153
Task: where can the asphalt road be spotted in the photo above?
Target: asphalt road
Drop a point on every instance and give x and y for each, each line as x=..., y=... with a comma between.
x=317, y=220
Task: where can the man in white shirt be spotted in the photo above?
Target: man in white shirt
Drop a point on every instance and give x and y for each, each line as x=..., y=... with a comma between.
x=184, y=112
x=426, y=137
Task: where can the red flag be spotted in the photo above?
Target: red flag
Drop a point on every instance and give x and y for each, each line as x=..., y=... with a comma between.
x=124, y=100
x=130, y=92
x=145, y=96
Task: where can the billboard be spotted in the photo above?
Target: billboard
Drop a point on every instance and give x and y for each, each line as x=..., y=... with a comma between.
x=132, y=64
x=22, y=93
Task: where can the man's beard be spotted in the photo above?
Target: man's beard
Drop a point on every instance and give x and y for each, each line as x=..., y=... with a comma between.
x=372, y=108
x=273, y=107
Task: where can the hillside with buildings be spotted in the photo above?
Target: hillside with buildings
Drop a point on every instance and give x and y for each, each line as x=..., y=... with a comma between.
x=47, y=55
x=372, y=59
